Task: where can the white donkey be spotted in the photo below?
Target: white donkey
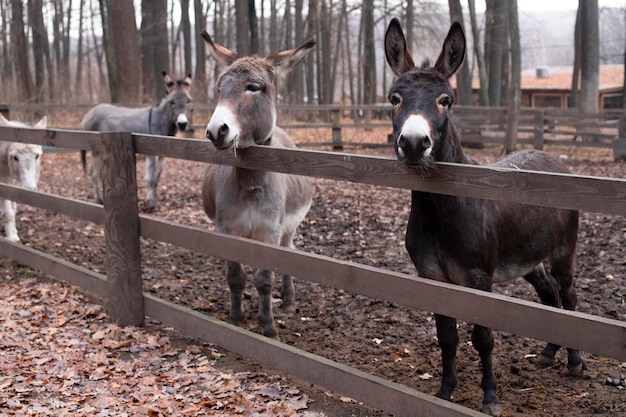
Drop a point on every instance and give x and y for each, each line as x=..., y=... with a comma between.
x=165, y=119
x=20, y=164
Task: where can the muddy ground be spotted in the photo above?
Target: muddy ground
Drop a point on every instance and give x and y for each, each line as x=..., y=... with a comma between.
x=366, y=224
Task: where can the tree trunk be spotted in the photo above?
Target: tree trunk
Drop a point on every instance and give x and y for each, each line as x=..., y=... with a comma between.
x=516, y=80
x=298, y=72
x=20, y=52
x=186, y=29
x=369, y=56
x=312, y=59
x=254, y=28
x=161, y=47
x=590, y=56
x=126, y=84
x=497, y=44
x=483, y=95
x=200, y=75
x=40, y=41
x=242, y=26
x=79, y=53
x=575, y=93
x=463, y=78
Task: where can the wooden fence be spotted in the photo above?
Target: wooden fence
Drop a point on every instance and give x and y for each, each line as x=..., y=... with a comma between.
x=538, y=127
x=123, y=225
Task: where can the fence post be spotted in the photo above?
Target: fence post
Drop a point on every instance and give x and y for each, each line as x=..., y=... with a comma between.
x=336, y=120
x=619, y=143
x=121, y=230
x=538, y=138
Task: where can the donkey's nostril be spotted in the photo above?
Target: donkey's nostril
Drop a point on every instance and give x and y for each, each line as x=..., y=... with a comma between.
x=223, y=131
x=426, y=142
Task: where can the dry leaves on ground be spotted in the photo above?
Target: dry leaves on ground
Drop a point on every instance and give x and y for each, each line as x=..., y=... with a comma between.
x=60, y=356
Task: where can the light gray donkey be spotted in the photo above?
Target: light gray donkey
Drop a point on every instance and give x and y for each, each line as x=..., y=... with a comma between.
x=20, y=164
x=164, y=119
x=261, y=205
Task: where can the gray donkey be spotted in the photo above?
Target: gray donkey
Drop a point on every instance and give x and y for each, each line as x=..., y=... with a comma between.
x=261, y=205
x=164, y=119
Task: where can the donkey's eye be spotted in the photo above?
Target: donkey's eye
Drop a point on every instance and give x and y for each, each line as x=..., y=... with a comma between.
x=395, y=99
x=445, y=101
x=253, y=87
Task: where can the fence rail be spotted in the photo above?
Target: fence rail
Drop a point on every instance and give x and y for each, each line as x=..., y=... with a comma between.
x=127, y=304
x=538, y=127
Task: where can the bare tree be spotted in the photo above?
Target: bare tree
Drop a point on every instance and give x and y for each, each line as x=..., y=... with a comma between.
x=20, y=52
x=463, y=78
x=516, y=80
x=125, y=79
x=40, y=48
x=369, y=53
x=495, y=48
x=575, y=92
x=590, y=57
x=200, y=73
x=185, y=23
x=242, y=26
x=483, y=95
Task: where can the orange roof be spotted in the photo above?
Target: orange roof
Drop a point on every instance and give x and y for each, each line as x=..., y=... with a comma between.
x=560, y=78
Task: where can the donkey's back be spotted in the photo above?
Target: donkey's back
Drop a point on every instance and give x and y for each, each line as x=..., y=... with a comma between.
x=110, y=118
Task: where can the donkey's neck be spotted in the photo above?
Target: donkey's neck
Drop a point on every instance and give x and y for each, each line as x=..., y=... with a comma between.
x=452, y=151
x=159, y=120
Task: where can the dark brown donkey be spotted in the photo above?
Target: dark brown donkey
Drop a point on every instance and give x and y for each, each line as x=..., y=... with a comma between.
x=260, y=205
x=466, y=241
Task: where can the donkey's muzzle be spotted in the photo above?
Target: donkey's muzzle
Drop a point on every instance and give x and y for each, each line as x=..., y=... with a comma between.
x=413, y=149
x=219, y=136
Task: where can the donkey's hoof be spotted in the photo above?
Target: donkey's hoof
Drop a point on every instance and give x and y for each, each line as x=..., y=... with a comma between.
x=492, y=409
x=576, y=370
x=272, y=333
x=544, y=361
x=288, y=309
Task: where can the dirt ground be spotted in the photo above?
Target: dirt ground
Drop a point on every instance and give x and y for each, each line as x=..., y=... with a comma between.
x=366, y=224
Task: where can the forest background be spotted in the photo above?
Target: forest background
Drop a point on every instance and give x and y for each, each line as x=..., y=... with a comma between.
x=91, y=51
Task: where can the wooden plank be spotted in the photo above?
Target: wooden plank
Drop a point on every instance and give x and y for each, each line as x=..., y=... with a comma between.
x=583, y=331
x=66, y=271
x=67, y=206
x=596, y=194
x=376, y=392
x=121, y=223
x=62, y=138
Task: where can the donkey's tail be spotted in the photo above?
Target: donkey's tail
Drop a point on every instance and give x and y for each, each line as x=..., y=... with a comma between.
x=83, y=160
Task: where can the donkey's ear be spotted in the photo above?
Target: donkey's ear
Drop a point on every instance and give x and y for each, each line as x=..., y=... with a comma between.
x=42, y=124
x=285, y=61
x=223, y=56
x=396, y=51
x=169, y=83
x=453, y=52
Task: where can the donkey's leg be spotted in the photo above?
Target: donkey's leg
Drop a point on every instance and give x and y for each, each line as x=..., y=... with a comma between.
x=263, y=283
x=482, y=339
x=236, y=277
x=153, y=175
x=563, y=270
x=448, y=340
x=8, y=219
x=96, y=171
x=548, y=291
x=287, y=289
